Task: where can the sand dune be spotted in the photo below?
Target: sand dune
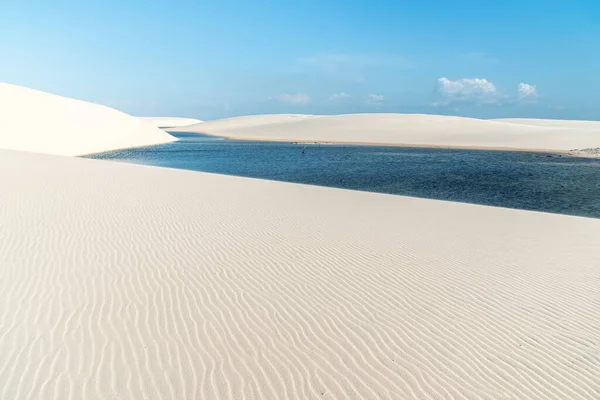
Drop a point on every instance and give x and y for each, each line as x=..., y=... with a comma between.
x=134, y=282
x=171, y=122
x=250, y=121
x=554, y=123
x=407, y=129
x=35, y=121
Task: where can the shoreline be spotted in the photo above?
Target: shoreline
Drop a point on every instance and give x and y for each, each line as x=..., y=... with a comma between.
x=411, y=130
x=122, y=148
x=572, y=153
x=40, y=122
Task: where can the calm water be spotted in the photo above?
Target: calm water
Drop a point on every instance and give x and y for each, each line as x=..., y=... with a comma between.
x=531, y=181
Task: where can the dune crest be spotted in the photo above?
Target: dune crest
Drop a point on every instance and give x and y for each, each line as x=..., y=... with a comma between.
x=554, y=123
x=34, y=121
x=409, y=130
x=247, y=121
x=171, y=122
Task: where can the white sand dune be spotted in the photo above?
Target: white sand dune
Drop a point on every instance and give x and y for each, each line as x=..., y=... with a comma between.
x=134, y=282
x=405, y=129
x=171, y=122
x=244, y=122
x=554, y=123
x=40, y=122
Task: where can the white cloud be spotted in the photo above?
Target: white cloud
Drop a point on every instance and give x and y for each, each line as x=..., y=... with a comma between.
x=467, y=90
x=479, y=91
x=297, y=98
x=375, y=99
x=526, y=91
x=338, y=96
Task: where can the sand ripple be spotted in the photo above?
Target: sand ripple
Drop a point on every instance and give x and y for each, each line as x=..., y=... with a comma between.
x=123, y=281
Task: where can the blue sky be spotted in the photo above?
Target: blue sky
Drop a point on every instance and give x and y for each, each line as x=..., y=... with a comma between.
x=213, y=59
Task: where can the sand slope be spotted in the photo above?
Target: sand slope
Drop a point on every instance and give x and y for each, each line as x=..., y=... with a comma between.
x=35, y=121
x=248, y=121
x=134, y=282
x=405, y=129
x=554, y=123
x=171, y=122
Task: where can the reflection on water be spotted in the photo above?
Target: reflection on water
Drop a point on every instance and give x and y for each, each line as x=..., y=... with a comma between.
x=531, y=181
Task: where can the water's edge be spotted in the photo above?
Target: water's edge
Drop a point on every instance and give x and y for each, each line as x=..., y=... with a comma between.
x=537, y=181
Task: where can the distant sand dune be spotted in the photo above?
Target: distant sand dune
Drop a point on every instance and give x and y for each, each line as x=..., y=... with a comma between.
x=249, y=121
x=134, y=282
x=409, y=129
x=40, y=122
x=554, y=123
x=171, y=122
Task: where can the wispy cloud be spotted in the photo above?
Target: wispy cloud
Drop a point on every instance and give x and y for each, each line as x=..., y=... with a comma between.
x=375, y=99
x=349, y=66
x=297, y=98
x=339, y=96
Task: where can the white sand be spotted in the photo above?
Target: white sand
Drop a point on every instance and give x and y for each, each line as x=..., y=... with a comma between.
x=408, y=129
x=250, y=121
x=554, y=123
x=35, y=121
x=171, y=122
x=133, y=282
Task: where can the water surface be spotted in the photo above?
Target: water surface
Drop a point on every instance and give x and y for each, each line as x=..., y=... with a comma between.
x=523, y=180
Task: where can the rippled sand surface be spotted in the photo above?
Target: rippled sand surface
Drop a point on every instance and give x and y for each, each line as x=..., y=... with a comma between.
x=126, y=281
